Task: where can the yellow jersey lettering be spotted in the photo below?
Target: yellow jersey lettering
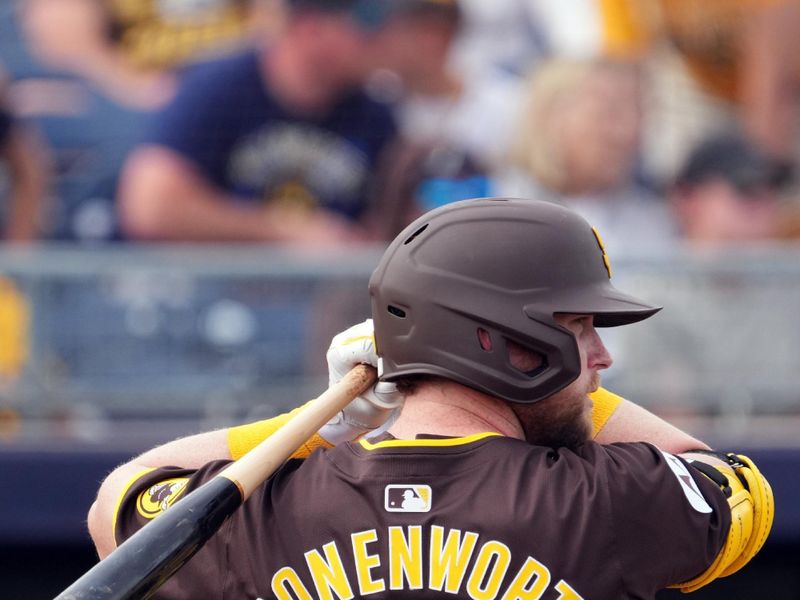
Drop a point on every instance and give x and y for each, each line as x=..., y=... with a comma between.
x=449, y=559
x=455, y=561
x=286, y=585
x=365, y=562
x=530, y=582
x=489, y=570
x=565, y=592
x=405, y=558
x=328, y=573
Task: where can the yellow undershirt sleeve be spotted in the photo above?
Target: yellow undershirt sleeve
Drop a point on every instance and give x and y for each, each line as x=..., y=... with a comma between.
x=604, y=404
x=244, y=438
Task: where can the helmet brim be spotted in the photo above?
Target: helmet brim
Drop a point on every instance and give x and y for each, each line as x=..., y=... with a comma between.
x=610, y=306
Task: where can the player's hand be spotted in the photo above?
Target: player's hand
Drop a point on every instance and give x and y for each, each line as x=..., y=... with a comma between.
x=376, y=408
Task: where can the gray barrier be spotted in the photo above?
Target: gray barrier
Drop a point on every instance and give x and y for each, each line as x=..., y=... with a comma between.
x=199, y=334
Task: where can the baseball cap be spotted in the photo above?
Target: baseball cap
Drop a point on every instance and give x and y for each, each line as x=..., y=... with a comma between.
x=738, y=161
x=371, y=14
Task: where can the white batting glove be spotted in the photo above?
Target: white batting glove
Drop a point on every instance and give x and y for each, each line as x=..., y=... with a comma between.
x=375, y=410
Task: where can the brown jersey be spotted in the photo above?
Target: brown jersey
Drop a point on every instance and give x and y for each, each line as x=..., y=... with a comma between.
x=478, y=517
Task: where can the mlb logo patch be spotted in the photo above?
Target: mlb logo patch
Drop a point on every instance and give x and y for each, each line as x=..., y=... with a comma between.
x=407, y=498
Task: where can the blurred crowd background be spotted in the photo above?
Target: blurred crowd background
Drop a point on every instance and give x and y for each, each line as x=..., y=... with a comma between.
x=333, y=123
x=193, y=194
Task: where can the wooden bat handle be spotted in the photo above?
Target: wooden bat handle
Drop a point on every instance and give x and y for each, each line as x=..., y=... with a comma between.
x=251, y=470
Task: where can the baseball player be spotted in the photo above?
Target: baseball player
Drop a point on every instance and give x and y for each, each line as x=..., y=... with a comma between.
x=489, y=482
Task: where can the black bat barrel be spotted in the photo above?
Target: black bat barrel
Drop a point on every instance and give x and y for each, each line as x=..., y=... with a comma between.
x=138, y=567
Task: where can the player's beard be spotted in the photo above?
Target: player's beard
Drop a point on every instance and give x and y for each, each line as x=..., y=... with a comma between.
x=561, y=420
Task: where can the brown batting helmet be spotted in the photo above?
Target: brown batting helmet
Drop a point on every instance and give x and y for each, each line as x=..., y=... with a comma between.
x=503, y=265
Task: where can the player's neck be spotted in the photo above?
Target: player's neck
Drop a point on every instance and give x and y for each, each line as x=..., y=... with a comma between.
x=454, y=410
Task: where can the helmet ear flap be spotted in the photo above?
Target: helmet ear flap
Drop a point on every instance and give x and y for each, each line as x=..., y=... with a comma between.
x=525, y=359
x=521, y=362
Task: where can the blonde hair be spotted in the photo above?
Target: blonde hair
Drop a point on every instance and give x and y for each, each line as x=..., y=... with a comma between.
x=537, y=144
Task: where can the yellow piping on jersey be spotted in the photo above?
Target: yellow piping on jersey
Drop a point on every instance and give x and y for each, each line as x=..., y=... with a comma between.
x=459, y=441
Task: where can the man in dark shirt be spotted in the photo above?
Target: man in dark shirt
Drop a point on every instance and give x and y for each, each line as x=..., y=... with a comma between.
x=487, y=483
x=278, y=143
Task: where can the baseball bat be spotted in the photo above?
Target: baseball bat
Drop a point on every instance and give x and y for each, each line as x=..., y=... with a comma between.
x=139, y=566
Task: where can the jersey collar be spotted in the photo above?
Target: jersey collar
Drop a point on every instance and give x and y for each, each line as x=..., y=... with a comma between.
x=424, y=441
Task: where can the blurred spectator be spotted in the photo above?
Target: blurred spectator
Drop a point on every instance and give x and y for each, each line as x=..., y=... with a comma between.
x=718, y=63
x=129, y=47
x=502, y=37
x=725, y=300
x=23, y=176
x=729, y=191
x=452, y=127
x=439, y=105
x=415, y=46
x=273, y=144
x=86, y=136
x=577, y=143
